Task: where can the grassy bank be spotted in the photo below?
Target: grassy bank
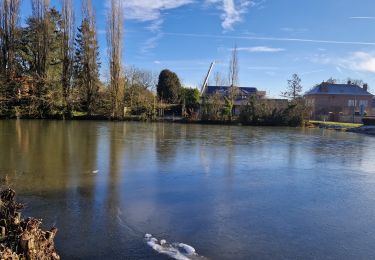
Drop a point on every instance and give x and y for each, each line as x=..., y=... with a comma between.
x=328, y=124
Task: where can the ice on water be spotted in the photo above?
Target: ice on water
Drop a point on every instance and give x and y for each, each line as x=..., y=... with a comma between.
x=178, y=251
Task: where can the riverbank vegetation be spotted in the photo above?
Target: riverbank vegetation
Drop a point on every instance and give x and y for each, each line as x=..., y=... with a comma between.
x=23, y=238
x=50, y=68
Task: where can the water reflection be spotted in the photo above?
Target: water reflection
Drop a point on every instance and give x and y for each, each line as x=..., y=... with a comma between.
x=105, y=184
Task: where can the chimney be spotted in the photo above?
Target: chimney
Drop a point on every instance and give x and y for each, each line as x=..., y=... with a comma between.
x=365, y=87
x=349, y=82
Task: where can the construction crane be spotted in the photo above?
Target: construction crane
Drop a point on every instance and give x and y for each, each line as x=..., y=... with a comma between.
x=207, y=77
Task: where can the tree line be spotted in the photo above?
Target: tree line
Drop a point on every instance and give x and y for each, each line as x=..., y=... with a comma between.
x=51, y=67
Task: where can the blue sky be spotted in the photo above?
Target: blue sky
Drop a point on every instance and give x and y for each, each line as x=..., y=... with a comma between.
x=317, y=39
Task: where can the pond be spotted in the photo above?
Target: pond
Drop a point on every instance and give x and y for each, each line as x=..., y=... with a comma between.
x=230, y=192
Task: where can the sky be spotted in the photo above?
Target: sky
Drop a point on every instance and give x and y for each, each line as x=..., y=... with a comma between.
x=317, y=39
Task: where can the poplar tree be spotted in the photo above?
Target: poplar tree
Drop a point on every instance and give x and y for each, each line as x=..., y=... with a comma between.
x=40, y=17
x=9, y=34
x=234, y=82
x=9, y=37
x=115, y=41
x=86, y=66
x=67, y=49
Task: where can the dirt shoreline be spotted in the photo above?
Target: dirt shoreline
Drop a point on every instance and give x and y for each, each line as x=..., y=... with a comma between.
x=23, y=238
x=368, y=130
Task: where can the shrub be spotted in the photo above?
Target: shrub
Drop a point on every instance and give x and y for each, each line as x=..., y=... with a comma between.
x=260, y=112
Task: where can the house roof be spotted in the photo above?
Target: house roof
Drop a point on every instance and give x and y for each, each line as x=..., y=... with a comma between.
x=338, y=89
x=223, y=90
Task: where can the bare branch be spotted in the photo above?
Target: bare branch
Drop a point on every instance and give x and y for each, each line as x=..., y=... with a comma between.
x=9, y=22
x=68, y=31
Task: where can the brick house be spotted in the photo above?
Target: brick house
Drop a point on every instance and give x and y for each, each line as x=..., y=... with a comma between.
x=340, y=102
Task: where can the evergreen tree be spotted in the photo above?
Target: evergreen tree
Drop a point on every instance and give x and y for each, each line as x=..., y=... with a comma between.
x=41, y=61
x=168, y=87
x=86, y=65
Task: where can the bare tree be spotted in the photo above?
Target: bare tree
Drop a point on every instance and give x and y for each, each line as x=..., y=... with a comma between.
x=138, y=81
x=114, y=38
x=358, y=82
x=220, y=80
x=67, y=48
x=234, y=68
x=332, y=80
x=233, y=81
x=9, y=28
x=40, y=15
x=140, y=77
x=294, y=89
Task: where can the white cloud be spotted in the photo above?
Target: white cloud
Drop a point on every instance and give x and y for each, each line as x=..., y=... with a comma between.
x=233, y=10
x=155, y=26
x=359, y=61
x=363, y=17
x=150, y=10
x=355, y=61
x=300, y=40
x=260, y=49
x=151, y=43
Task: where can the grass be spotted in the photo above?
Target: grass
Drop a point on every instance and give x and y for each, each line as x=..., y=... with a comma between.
x=345, y=125
x=79, y=114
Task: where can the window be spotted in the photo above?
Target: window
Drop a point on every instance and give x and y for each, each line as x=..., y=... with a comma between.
x=310, y=102
x=363, y=103
x=351, y=103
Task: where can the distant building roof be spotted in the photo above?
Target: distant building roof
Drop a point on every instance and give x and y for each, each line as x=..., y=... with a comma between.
x=223, y=90
x=338, y=89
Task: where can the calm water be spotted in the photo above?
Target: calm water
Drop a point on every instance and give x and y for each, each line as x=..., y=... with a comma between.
x=231, y=192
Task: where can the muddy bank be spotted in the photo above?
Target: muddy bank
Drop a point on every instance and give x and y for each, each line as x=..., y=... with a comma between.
x=368, y=130
x=23, y=238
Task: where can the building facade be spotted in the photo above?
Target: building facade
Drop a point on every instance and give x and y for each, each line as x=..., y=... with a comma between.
x=339, y=102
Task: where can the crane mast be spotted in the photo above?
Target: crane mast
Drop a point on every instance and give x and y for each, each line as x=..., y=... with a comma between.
x=207, y=78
